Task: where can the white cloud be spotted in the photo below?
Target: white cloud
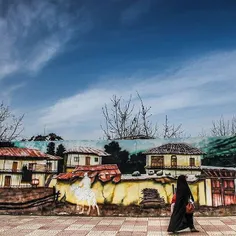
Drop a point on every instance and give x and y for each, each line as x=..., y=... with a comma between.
x=34, y=32
x=188, y=96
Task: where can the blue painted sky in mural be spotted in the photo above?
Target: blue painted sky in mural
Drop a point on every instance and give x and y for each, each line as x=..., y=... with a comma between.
x=72, y=56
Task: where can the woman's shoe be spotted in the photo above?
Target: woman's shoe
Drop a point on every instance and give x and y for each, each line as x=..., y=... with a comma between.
x=194, y=230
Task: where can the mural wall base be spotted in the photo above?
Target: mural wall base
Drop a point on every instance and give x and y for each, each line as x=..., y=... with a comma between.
x=68, y=209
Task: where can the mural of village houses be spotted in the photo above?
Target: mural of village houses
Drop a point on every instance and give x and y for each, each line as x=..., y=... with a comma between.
x=125, y=177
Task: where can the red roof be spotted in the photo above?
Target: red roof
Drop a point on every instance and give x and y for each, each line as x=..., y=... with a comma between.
x=104, y=173
x=88, y=150
x=25, y=152
x=219, y=173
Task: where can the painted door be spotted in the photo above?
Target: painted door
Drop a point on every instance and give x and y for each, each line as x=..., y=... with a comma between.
x=87, y=161
x=7, y=182
x=14, y=166
x=229, y=191
x=216, y=193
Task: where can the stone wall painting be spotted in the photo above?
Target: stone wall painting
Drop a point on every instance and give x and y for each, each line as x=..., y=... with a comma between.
x=151, y=198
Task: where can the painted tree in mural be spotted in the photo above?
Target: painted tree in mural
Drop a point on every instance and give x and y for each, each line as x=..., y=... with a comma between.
x=48, y=137
x=137, y=162
x=51, y=148
x=26, y=174
x=122, y=121
x=119, y=157
x=10, y=125
x=221, y=152
x=127, y=165
x=7, y=144
x=61, y=163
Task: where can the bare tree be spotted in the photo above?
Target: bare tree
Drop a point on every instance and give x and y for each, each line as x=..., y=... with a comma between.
x=224, y=127
x=147, y=127
x=10, y=125
x=122, y=122
x=172, y=131
x=221, y=127
x=203, y=133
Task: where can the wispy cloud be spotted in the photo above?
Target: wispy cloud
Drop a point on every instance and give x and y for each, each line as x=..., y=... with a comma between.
x=188, y=95
x=6, y=94
x=33, y=32
x=134, y=11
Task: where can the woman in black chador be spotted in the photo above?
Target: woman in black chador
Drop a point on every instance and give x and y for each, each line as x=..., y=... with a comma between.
x=179, y=219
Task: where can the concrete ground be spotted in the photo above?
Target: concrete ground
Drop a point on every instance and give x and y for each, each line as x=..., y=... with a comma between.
x=107, y=226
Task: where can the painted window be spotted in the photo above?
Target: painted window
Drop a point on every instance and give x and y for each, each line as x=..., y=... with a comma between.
x=31, y=166
x=173, y=161
x=7, y=182
x=87, y=161
x=215, y=184
x=157, y=161
x=192, y=161
x=229, y=184
x=76, y=159
x=14, y=166
x=96, y=159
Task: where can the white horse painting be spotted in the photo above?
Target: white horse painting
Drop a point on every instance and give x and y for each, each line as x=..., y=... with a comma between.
x=84, y=193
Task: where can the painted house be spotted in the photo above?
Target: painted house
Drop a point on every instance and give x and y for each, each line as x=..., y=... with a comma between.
x=219, y=185
x=16, y=163
x=83, y=156
x=173, y=159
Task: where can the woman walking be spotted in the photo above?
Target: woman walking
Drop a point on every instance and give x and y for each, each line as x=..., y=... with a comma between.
x=180, y=219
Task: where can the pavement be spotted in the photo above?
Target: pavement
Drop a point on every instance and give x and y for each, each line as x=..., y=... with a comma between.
x=108, y=226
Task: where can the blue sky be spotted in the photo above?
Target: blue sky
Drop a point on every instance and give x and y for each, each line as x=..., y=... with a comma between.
x=61, y=61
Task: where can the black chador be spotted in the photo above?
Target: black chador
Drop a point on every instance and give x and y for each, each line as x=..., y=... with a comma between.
x=179, y=219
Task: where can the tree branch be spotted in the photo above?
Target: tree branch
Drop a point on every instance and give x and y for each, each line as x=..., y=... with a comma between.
x=10, y=126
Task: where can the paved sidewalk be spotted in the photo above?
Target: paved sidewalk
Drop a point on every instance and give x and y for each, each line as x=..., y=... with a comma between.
x=107, y=226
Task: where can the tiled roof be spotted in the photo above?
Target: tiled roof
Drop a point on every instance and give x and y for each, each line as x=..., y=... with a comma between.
x=25, y=152
x=87, y=150
x=104, y=173
x=175, y=148
x=219, y=173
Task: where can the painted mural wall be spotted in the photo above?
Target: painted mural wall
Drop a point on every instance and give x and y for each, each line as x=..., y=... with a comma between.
x=216, y=148
x=98, y=176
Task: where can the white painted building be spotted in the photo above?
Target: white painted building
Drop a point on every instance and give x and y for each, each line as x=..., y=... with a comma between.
x=13, y=159
x=83, y=156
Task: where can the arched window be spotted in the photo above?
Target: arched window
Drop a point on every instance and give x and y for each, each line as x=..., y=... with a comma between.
x=173, y=161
